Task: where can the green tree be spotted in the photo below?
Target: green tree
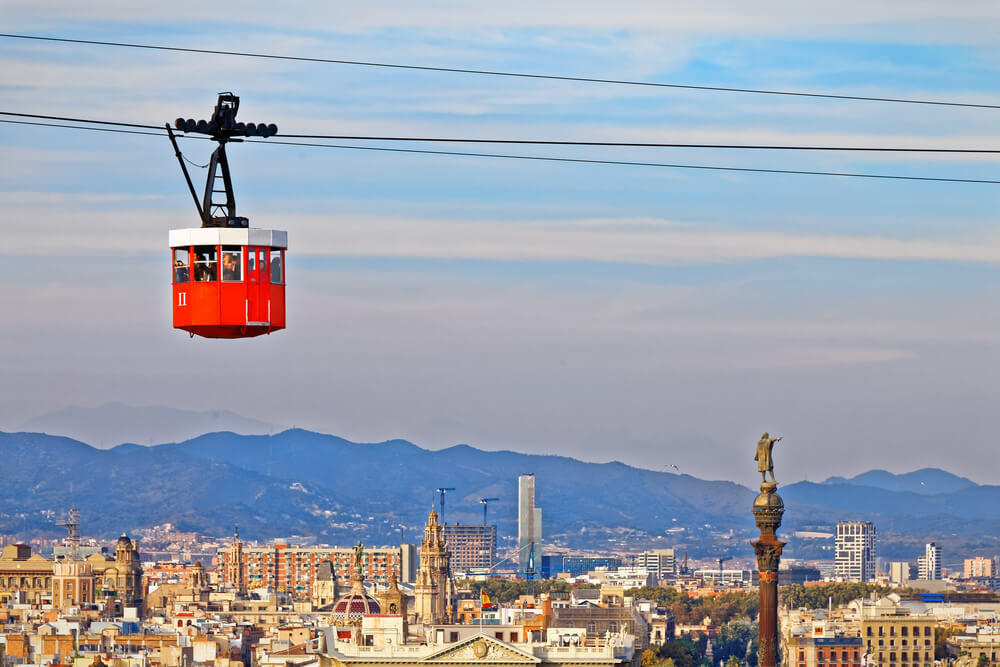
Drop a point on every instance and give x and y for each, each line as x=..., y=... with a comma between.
x=507, y=590
x=733, y=639
x=816, y=597
x=689, y=611
x=650, y=658
x=681, y=652
x=941, y=636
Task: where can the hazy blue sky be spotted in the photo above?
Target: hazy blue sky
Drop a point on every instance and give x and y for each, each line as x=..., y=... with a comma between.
x=653, y=316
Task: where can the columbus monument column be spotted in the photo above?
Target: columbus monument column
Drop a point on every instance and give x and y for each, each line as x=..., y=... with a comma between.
x=767, y=510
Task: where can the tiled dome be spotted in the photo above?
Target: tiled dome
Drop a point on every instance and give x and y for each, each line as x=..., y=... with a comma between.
x=354, y=605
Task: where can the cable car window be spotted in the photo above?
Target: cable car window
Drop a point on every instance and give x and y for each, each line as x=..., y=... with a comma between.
x=182, y=265
x=262, y=263
x=206, y=263
x=276, y=268
x=232, y=263
x=252, y=263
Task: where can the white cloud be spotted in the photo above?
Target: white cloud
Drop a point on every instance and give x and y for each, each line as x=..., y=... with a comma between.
x=850, y=19
x=628, y=241
x=72, y=223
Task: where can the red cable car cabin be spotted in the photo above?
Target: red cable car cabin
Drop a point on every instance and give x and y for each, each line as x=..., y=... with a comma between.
x=228, y=283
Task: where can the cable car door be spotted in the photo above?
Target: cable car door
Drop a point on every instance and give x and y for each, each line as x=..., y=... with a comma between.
x=258, y=287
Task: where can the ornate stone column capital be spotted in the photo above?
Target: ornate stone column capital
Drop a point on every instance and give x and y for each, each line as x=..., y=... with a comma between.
x=768, y=508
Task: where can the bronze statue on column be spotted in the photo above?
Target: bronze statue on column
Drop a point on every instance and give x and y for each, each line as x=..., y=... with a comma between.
x=767, y=511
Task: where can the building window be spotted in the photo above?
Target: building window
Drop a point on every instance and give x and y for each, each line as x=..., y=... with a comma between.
x=453, y=637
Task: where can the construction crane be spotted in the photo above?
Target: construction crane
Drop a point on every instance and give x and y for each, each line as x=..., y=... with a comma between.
x=442, y=490
x=486, y=503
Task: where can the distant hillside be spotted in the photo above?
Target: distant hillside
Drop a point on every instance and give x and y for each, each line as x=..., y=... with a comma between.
x=927, y=481
x=123, y=490
x=399, y=478
x=298, y=482
x=324, y=487
x=117, y=423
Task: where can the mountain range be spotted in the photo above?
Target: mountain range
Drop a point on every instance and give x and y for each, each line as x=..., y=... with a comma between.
x=114, y=423
x=322, y=487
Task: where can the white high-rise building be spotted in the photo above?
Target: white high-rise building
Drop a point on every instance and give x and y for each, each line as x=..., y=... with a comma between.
x=855, y=551
x=529, y=523
x=929, y=565
x=661, y=562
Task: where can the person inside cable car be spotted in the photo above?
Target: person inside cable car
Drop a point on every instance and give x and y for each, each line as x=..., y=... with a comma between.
x=231, y=266
x=181, y=271
x=204, y=264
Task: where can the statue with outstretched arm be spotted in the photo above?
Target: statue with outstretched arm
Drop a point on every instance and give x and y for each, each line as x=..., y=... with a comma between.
x=765, y=463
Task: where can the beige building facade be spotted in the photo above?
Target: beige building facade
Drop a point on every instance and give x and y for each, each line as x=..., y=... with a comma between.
x=892, y=637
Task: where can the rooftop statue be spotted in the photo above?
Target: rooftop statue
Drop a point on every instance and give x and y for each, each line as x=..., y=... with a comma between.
x=763, y=458
x=358, y=550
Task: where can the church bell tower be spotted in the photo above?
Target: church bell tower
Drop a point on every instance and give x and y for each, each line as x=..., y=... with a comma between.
x=434, y=591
